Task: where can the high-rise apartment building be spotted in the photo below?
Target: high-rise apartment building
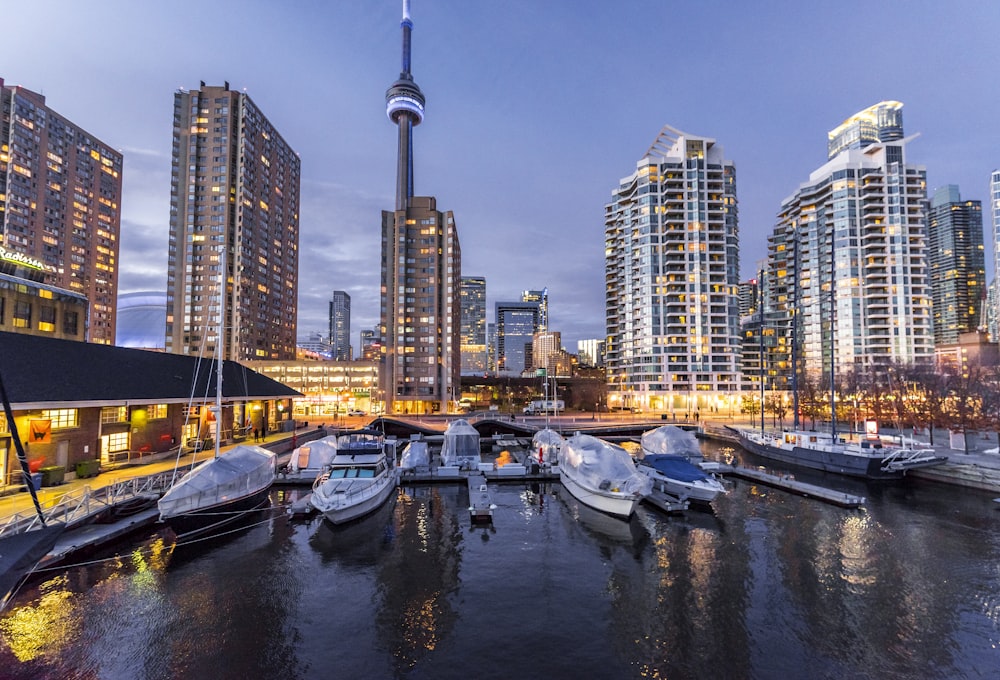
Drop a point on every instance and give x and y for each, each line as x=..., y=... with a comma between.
x=234, y=203
x=956, y=264
x=473, y=331
x=60, y=207
x=882, y=122
x=672, y=272
x=545, y=345
x=340, y=325
x=421, y=266
x=371, y=345
x=860, y=223
x=993, y=312
x=542, y=298
x=591, y=352
x=516, y=325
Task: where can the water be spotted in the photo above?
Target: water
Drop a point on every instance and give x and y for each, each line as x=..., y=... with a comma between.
x=771, y=586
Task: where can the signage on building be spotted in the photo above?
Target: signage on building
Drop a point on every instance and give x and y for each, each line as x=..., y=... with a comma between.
x=23, y=260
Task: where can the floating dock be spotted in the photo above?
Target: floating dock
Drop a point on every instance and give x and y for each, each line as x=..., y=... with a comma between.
x=786, y=483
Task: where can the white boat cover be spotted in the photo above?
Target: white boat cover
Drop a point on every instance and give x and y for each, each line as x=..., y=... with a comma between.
x=545, y=445
x=314, y=455
x=461, y=445
x=415, y=454
x=597, y=464
x=672, y=440
x=239, y=472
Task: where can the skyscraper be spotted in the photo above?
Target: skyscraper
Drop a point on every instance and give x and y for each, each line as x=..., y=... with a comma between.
x=956, y=263
x=234, y=200
x=60, y=207
x=542, y=298
x=516, y=325
x=672, y=274
x=860, y=222
x=473, y=331
x=882, y=122
x=421, y=266
x=591, y=352
x=545, y=345
x=340, y=325
x=993, y=314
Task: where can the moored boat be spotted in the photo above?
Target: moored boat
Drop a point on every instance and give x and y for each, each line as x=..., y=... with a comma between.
x=601, y=475
x=360, y=478
x=545, y=445
x=674, y=477
x=308, y=461
x=868, y=458
x=460, y=447
x=480, y=502
x=219, y=491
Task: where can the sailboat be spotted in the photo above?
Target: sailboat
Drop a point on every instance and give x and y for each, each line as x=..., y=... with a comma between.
x=225, y=487
x=868, y=458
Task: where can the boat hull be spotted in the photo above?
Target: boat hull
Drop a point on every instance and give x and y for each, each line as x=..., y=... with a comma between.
x=615, y=504
x=837, y=462
x=346, y=511
x=695, y=492
x=214, y=518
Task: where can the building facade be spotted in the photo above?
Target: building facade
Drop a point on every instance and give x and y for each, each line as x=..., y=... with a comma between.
x=30, y=307
x=234, y=204
x=591, y=352
x=473, y=331
x=421, y=267
x=956, y=264
x=516, y=325
x=860, y=224
x=672, y=272
x=329, y=388
x=545, y=345
x=340, y=325
x=993, y=312
x=60, y=203
x=542, y=298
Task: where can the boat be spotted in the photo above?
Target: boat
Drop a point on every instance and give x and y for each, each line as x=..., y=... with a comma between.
x=218, y=491
x=868, y=458
x=601, y=475
x=416, y=456
x=481, y=505
x=225, y=487
x=545, y=445
x=461, y=446
x=309, y=460
x=673, y=440
x=674, y=478
x=359, y=479
x=20, y=554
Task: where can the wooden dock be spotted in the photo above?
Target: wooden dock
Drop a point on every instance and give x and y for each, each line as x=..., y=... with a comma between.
x=792, y=485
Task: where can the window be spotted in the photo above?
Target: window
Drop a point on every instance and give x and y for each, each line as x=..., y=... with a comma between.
x=114, y=414
x=61, y=418
x=116, y=442
x=47, y=319
x=22, y=314
x=157, y=411
x=70, y=323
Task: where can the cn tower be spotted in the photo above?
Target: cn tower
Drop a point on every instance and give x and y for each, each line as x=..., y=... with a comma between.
x=404, y=104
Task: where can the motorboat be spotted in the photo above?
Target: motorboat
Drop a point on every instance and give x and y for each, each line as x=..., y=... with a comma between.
x=218, y=491
x=545, y=445
x=601, y=475
x=359, y=479
x=674, y=477
x=868, y=457
x=480, y=502
x=309, y=460
x=460, y=447
x=416, y=456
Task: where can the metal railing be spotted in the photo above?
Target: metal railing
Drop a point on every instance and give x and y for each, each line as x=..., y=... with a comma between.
x=76, y=507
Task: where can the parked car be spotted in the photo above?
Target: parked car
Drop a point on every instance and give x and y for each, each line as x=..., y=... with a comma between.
x=356, y=412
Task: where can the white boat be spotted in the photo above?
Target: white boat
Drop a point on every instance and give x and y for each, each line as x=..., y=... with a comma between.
x=461, y=446
x=673, y=440
x=480, y=502
x=545, y=445
x=416, y=456
x=227, y=486
x=674, y=476
x=359, y=480
x=309, y=460
x=601, y=475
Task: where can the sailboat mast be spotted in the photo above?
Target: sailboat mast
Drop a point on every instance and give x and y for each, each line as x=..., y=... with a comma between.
x=220, y=348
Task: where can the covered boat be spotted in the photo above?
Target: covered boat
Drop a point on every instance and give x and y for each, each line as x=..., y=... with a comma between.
x=415, y=455
x=673, y=440
x=219, y=491
x=359, y=480
x=461, y=446
x=601, y=475
x=309, y=460
x=674, y=476
x=545, y=445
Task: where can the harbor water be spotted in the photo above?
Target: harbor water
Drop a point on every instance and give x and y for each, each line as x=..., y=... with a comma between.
x=769, y=586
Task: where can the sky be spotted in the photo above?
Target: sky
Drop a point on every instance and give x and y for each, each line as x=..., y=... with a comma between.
x=535, y=110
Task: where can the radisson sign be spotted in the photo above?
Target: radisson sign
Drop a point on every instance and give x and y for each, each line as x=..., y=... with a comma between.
x=22, y=259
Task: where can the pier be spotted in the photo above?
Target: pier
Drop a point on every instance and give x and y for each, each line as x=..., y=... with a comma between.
x=788, y=483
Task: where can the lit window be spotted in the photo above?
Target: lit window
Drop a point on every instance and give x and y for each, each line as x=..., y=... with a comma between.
x=61, y=418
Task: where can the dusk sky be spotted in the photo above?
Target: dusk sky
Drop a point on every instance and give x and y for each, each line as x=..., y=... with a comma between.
x=535, y=110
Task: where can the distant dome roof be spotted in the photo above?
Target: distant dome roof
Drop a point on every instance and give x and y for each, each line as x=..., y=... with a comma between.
x=142, y=320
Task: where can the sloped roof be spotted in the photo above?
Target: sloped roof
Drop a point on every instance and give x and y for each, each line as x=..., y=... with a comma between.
x=48, y=371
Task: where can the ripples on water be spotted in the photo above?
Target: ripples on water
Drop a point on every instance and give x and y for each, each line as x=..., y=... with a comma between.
x=770, y=586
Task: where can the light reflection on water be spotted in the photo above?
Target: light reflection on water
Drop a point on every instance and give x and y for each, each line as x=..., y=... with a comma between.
x=771, y=585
